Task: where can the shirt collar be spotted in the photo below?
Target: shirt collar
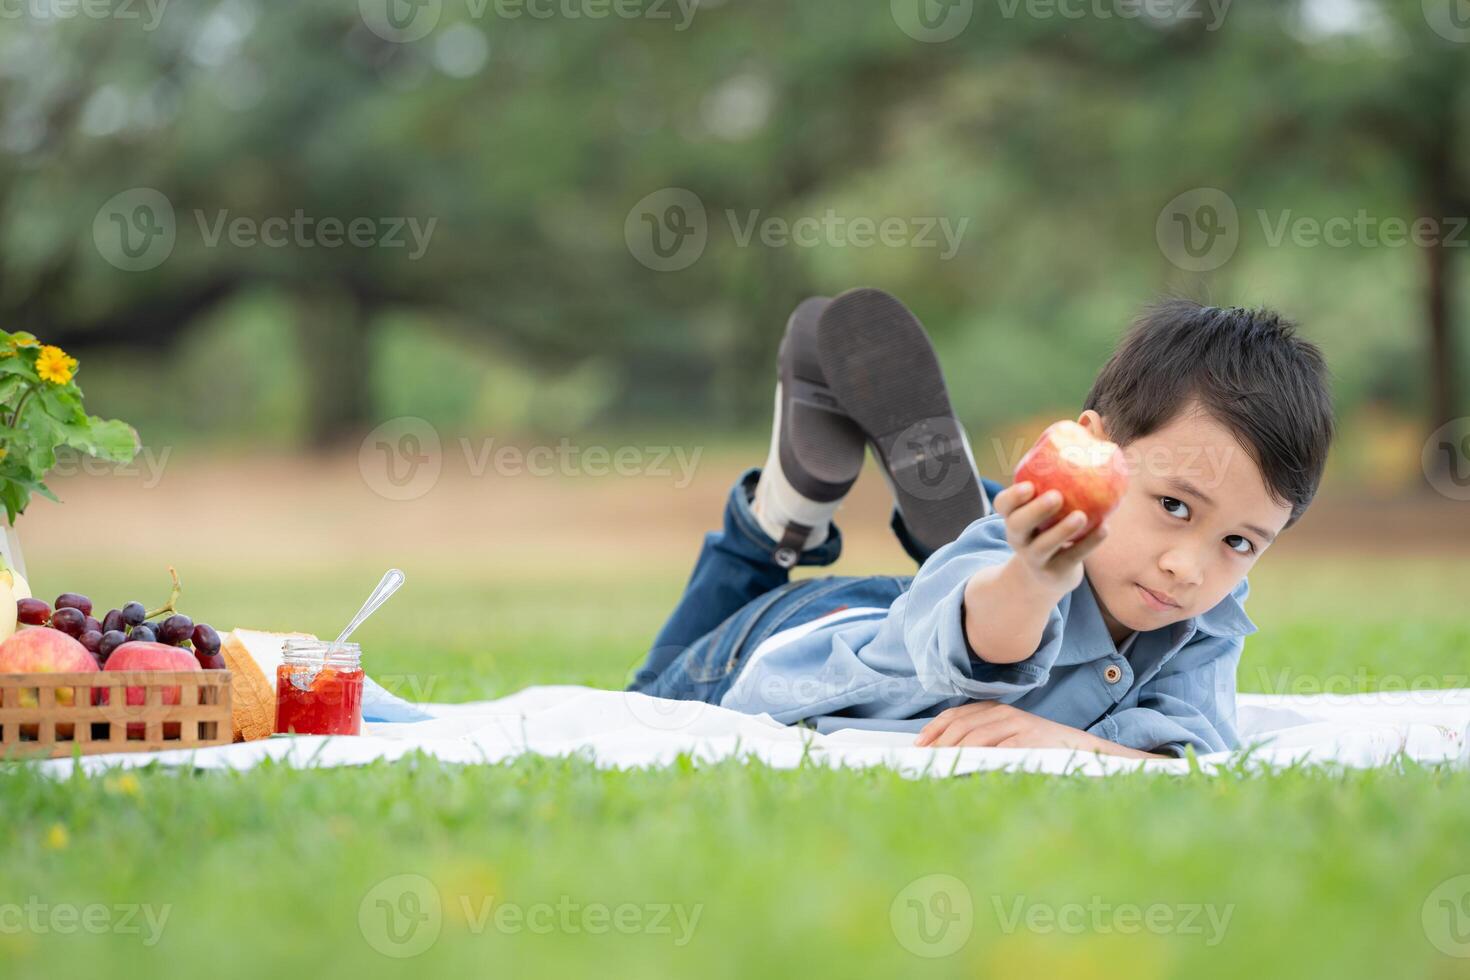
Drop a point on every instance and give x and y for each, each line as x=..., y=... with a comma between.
x=1228, y=617
x=1087, y=632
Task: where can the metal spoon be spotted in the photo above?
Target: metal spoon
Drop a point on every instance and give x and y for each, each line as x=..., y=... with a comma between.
x=391, y=583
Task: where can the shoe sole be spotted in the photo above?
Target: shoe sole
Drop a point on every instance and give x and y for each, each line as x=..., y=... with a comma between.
x=879, y=363
x=821, y=448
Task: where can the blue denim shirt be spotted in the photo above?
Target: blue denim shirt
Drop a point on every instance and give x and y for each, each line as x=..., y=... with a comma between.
x=1174, y=688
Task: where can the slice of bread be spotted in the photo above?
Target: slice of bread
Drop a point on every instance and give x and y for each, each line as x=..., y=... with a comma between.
x=252, y=657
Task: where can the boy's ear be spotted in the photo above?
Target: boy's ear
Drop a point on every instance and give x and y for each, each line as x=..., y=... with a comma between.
x=1093, y=423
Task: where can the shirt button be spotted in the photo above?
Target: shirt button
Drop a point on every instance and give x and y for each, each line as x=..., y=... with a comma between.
x=1113, y=674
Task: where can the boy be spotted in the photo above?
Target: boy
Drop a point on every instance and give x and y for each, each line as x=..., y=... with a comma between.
x=1123, y=642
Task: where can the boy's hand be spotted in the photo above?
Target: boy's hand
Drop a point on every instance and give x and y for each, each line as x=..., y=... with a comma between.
x=992, y=724
x=1045, y=556
x=1007, y=606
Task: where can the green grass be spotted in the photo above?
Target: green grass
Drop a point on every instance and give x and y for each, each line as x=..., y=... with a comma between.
x=1317, y=873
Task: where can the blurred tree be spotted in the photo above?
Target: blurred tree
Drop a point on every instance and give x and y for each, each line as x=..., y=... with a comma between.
x=518, y=146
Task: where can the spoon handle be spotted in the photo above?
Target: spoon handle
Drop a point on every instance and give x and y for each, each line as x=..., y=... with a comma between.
x=392, y=582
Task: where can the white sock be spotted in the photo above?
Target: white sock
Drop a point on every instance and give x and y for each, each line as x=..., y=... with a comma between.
x=777, y=503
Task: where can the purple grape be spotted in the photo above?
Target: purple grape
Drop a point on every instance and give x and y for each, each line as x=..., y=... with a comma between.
x=206, y=641
x=142, y=634
x=70, y=600
x=113, y=622
x=70, y=620
x=111, y=640
x=92, y=640
x=134, y=613
x=175, y=630
x=33, y=612
x=208, y=661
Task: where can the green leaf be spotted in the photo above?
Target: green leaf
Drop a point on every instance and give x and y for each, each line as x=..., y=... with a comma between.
x=40, y=457
x=15, y=496
x=37, y=444
x=17, y=365
x=107, y=439
x=64, y=404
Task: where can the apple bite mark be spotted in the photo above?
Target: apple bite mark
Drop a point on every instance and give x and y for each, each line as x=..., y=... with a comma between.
x=1089, y=473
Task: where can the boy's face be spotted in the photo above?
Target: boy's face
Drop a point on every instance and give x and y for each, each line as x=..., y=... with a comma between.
x=1195, y=518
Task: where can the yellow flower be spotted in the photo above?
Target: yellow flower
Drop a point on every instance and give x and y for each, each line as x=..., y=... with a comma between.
x=123, y=785
x=57, y=837
x=55, y=365
x=17, y=341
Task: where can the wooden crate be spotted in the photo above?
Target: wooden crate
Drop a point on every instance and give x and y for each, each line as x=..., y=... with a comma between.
x=46, y=727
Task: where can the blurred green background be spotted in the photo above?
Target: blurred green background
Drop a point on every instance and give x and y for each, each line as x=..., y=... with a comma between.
x=1051, y=137
x=615, y=216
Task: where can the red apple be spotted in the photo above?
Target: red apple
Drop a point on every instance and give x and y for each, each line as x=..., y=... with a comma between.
x=42, y=650
x=1089, y=473
x=150, y=656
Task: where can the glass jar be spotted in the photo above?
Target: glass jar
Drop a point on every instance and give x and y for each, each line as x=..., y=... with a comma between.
x=319, y=688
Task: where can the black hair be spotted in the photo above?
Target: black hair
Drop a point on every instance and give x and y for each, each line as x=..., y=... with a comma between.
x=1247, y=368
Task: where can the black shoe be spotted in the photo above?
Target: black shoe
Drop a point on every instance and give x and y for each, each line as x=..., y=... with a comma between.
x=818, y=450
x=821, y=448
x=879, y=363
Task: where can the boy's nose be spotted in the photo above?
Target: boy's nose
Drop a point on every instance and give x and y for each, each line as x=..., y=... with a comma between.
x=1182, y=566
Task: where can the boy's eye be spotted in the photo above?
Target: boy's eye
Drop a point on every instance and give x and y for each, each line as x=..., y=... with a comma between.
x=1169, y=503
x=1238, y=543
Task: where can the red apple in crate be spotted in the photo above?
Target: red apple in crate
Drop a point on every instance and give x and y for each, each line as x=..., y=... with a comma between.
x=42, y=650
x=149, y=656
x=1089, y=472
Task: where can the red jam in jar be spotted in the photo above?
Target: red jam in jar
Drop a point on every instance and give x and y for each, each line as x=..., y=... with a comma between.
x=319, y=689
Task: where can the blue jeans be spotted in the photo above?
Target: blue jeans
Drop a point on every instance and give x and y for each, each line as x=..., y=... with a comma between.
x=738, y=596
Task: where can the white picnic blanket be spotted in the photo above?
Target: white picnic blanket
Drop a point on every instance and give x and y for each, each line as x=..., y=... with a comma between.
x=617, y=729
